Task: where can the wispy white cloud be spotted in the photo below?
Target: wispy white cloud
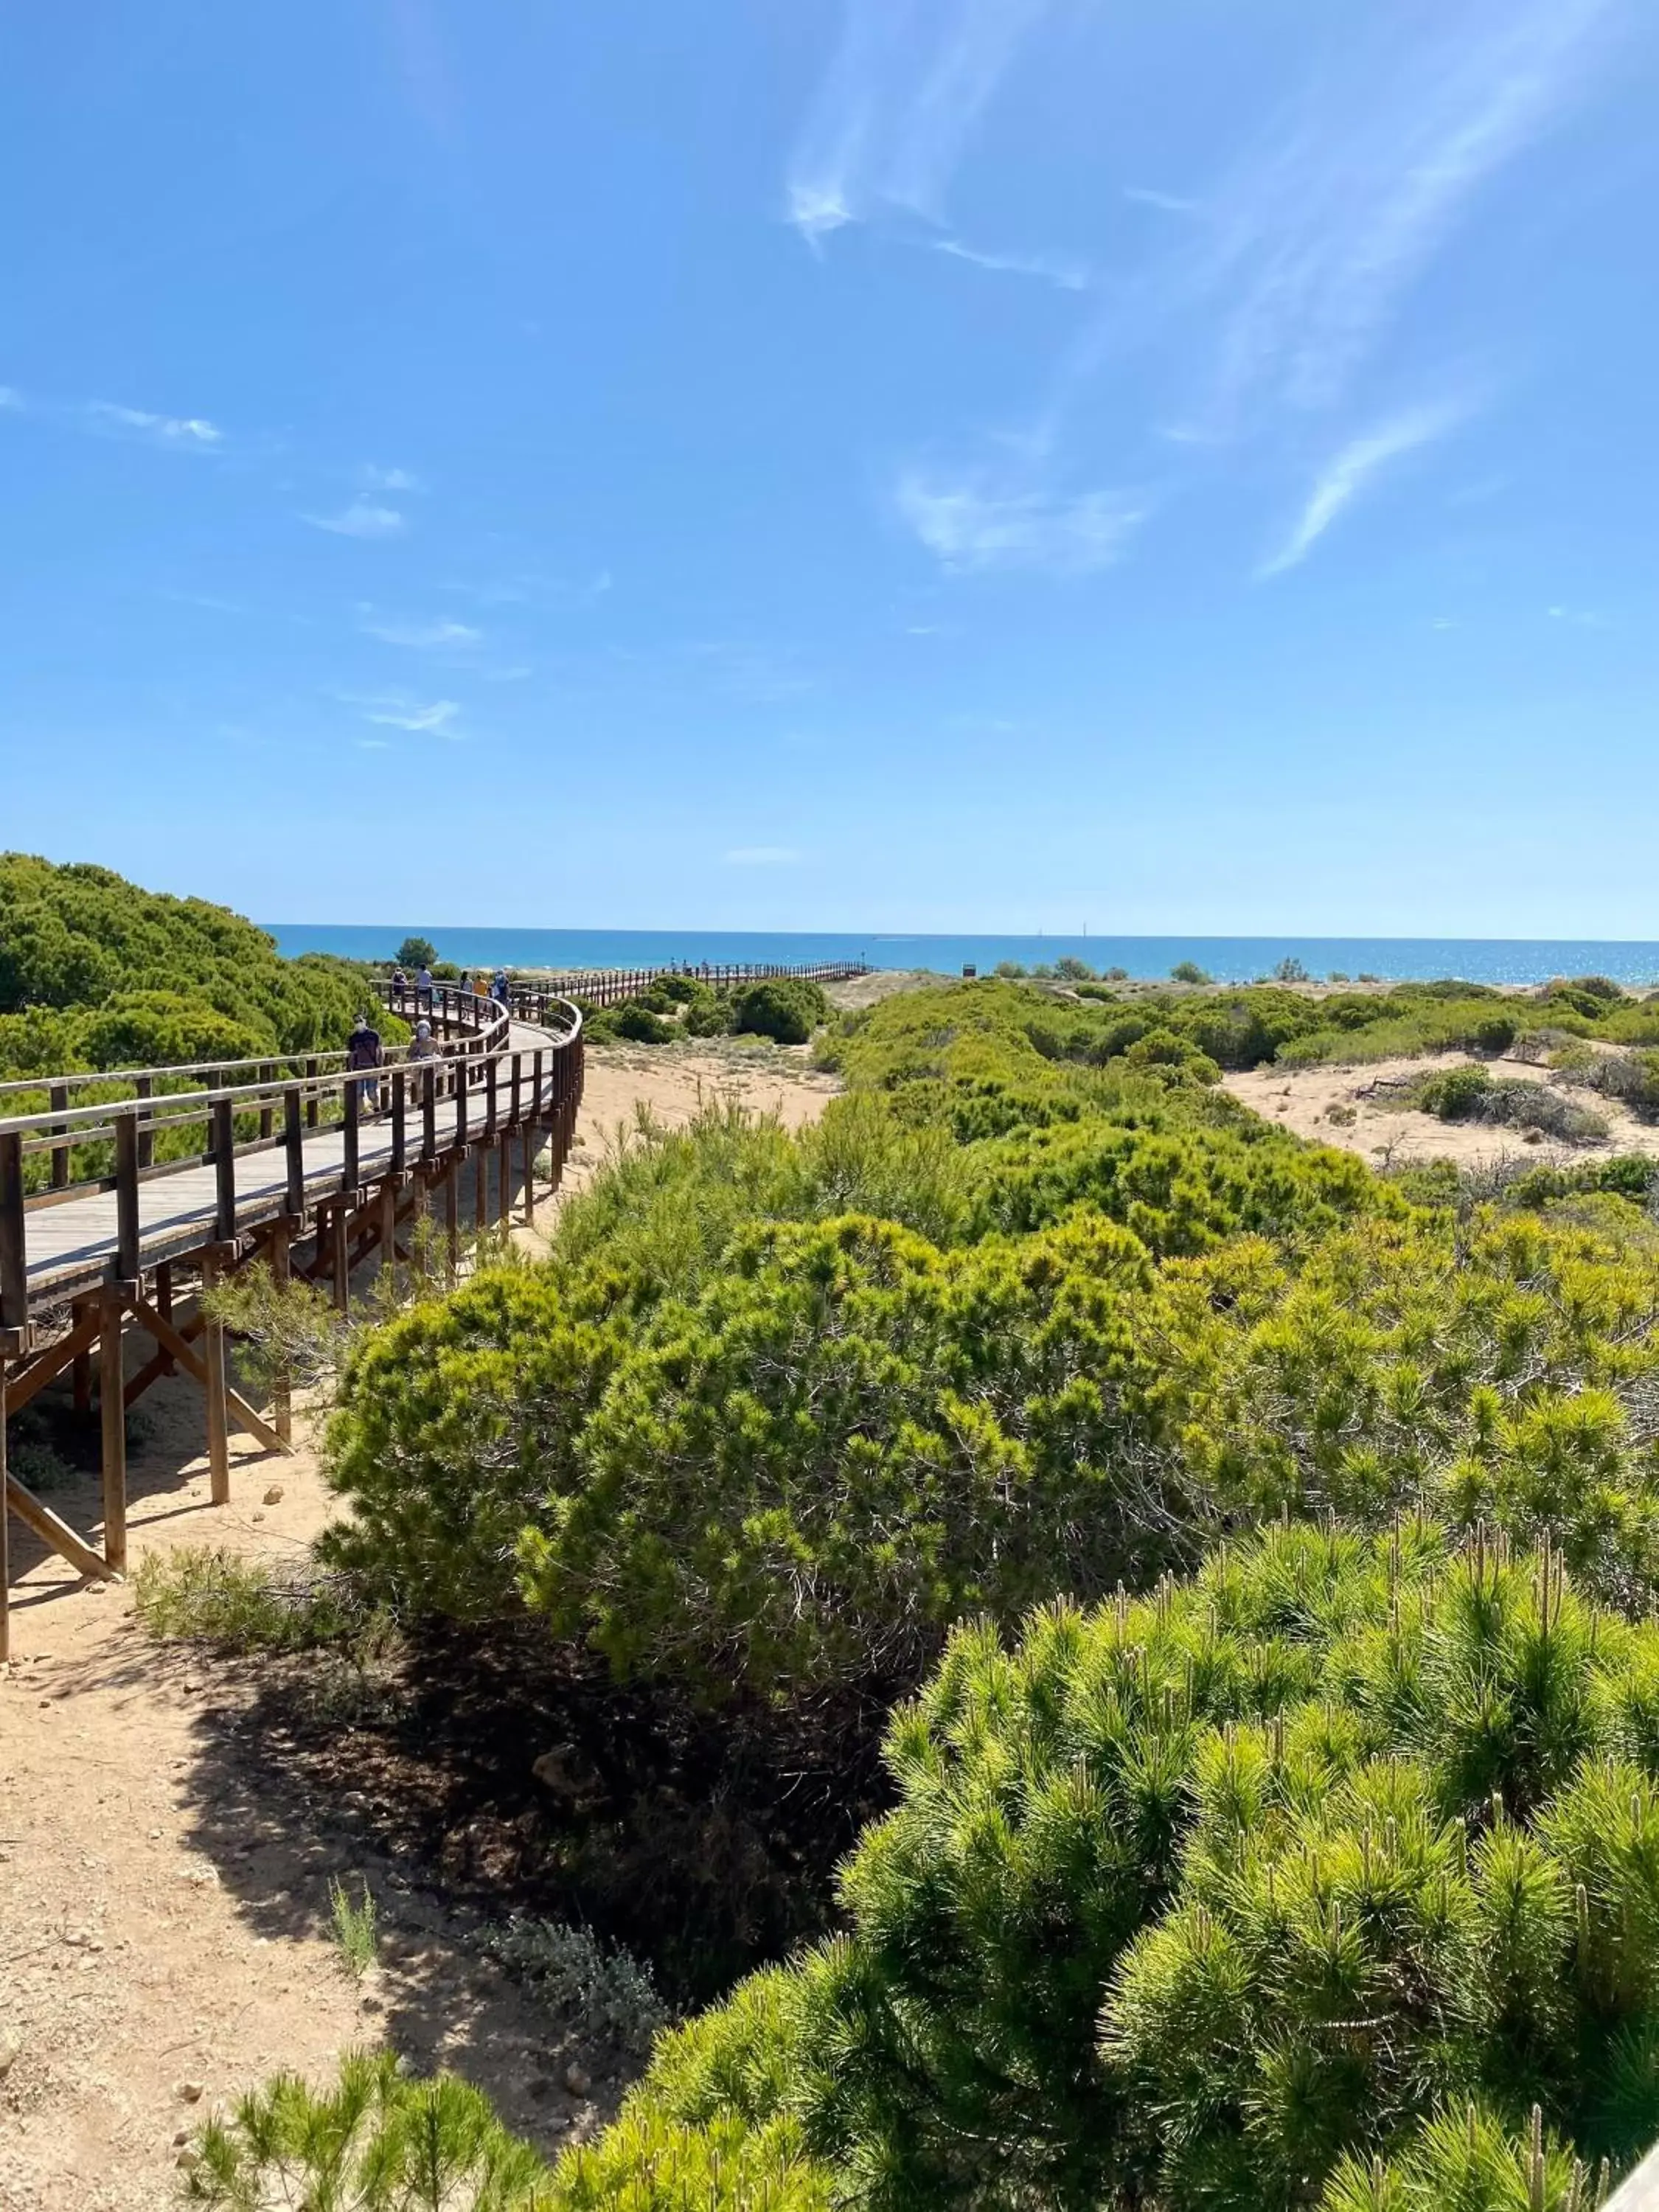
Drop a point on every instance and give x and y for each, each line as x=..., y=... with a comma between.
x=396, y=710
x=362, y=519
x=975, y=524
x=1311, y=244
x=909, y=82
x=1579, y=617
x=1056, y=269
x=378, y=479
x=373, y=745
x=437, y=718
x=1166, y=203
x=185, y=433
x=762, y=856
x=424, y=636
x=1352, y=470
x=104, y=418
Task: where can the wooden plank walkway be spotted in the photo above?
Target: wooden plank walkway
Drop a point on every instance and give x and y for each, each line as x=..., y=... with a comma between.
x=73, y=1245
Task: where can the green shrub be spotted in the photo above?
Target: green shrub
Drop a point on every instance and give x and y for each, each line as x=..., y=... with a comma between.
x=356, y=1927
x=708, y=1013
x=201, y=1595
x=416, y=953
x=379, y=2142
x=376, y=2142
x=1208, y=1898
x=159, y=972
x=849, y=1440
x=456, y=1419
x=638, y=1025
x=1460, y=1094
x=785, y=1008
x=1188, y=971
x=153, y=1028
x=1469, y=1094
x=1494, y=1033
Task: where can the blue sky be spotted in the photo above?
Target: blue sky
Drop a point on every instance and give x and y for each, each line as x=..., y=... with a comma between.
x=860, y=464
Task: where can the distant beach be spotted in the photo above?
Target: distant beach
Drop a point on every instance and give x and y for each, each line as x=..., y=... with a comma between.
x=1228, y=959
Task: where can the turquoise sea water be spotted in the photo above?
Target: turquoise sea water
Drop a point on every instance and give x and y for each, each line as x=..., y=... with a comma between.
x=1229, y=960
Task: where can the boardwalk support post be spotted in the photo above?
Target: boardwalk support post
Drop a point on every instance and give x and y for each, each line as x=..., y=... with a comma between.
x=5, y=1530
x=213, y=1362
x=282, y=1389
x=112, y=1399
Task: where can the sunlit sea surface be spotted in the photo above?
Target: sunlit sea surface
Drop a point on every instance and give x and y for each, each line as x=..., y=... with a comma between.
x=1228, y=959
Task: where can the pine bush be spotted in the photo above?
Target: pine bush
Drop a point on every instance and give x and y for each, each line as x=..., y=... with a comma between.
x=1212, y=1897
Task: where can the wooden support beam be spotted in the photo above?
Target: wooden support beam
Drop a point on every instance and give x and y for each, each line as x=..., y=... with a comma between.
x=480, y=1189
x=452, y=1214
x=45, y=1366
x=213, y=1383
x=339, y=1259
x=281, y=1274
x=112, y=1405
x=153, y=1369
x=5, y=1533
x=82, y=1384
x=193, y=1364
x=164, y=1304
x=58, y=1533
x=388, y=1236
x=531, y=1135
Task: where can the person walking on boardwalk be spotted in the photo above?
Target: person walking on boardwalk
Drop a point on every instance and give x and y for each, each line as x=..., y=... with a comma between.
x=423, y=989
x=423, y=1045
x=364, y=1052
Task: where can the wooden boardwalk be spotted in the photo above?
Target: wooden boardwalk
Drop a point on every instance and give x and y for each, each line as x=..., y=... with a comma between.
x=73, y=1245
x=118, y=1212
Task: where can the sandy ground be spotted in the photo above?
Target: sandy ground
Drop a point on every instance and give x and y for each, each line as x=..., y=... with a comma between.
x=1301, y=1099
x=672, y=1081
x=164, y=1933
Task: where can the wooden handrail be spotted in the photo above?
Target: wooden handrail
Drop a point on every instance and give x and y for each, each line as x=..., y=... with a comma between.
x=473, y=1060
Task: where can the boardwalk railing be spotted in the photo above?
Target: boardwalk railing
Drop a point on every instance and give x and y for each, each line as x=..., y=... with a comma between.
x=101, y=1196
x=611, y=986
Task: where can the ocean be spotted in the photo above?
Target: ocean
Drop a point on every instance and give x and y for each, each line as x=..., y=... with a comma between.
x=1228, y=959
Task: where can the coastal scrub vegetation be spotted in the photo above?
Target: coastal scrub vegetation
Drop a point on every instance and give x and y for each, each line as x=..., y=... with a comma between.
x=96, y=973
x=1256, y=1555
x=787, y=1009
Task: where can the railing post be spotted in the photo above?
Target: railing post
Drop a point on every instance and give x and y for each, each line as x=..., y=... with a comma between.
x=462, y=1066
x=514, y=1113
x=490, y=1096
x=127, y=1269
x=399, y=1113
x=13, y=1262
x=224, y=1168
x=313, y=1103
x=145, y=1087
x=428, y=1112
x=294, y=1146
x=349, y=1173
x=267, y=1111
x=59, y=1095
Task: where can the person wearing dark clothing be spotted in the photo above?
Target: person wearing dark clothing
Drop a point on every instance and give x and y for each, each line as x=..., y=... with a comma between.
x=364, y=1051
